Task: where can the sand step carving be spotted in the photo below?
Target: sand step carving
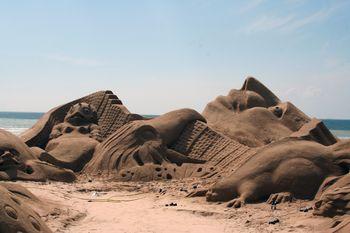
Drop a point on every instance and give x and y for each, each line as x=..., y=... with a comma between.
x=317, y=131
x=198, y=141
x=112, y=114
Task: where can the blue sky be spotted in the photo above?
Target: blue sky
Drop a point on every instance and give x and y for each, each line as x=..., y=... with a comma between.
x=162, y=55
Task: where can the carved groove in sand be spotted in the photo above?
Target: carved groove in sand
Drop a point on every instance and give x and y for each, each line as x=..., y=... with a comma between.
x=15, y=214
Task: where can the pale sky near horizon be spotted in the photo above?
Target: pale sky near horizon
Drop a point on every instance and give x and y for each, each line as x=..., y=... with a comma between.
x=157, y=56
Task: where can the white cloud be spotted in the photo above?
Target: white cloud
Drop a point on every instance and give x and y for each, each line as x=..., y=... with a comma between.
x=313, y=18
x=308, y=92
x=266, y=23
x=251, y=5
x=298, y=2
x=74, y=60
x=337, y=64
x=312, y=92
x=332, y=62
x=291, y=23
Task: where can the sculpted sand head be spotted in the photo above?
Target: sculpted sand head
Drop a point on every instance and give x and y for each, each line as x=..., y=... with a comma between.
x=253, y=115
x=14, y=155
x=81, y=113
x=72, y=143
x=240, y=100
x=18, y=163
x=139, y=150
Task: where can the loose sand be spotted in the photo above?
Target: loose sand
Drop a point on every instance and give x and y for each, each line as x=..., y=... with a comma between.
x=106, y=207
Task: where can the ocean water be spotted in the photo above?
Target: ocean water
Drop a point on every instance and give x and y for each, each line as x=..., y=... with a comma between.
x=18, y=122
x=340, y=128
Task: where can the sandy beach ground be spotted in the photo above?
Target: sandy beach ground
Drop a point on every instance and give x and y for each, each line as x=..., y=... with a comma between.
x=105, y=207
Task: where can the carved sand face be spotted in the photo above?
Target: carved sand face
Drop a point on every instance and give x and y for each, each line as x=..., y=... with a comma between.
x=18, y=163
x=134, y=145
x=138, y=150
x=13, y=154
x=81, y=113
x=241, y=100
x=12, y=149
x=12, y=161
x=9, y=157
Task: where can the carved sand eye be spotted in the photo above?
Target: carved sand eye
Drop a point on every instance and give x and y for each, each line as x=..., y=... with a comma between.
x=146, y=132
x=86, y=110
x=278, y=111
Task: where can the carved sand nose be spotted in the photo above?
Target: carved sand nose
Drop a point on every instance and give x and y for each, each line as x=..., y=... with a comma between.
x=318, y=204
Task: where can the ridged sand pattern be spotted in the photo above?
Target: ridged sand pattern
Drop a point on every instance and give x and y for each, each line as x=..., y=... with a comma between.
x=112, y=114
x=200, y=142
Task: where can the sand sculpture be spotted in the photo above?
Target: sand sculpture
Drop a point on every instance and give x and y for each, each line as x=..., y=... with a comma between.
x=18, y=163
x=81, y=119
x=198, y=141
x=333, y=197
x=341, y=225
x=111, y=115
x=249, y=145
x=287, y=168
x=332, y=200
x=224, y=139
x=139, y=150
x=16, y=215
x=253, y=115
x=72, y=143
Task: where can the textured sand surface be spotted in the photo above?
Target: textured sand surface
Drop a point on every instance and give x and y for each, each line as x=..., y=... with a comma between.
x=106, y=207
